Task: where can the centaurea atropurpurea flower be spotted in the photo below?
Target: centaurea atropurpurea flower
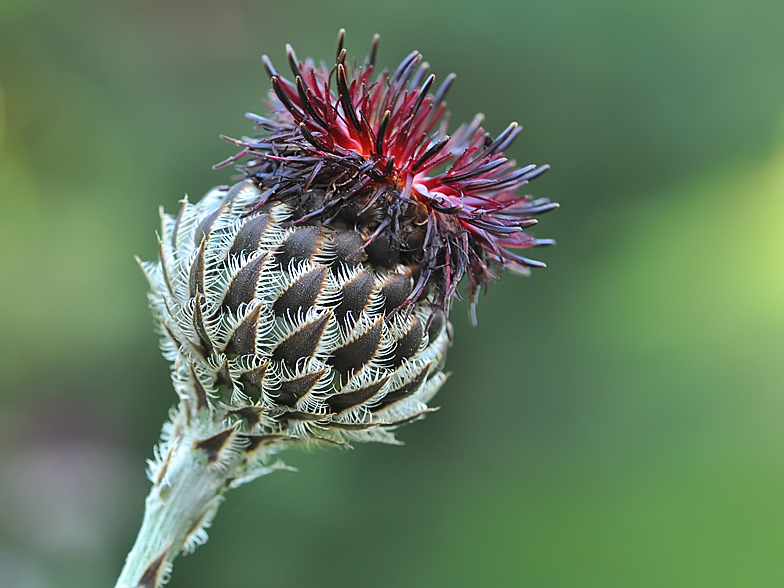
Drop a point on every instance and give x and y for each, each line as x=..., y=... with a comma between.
x=308, y=303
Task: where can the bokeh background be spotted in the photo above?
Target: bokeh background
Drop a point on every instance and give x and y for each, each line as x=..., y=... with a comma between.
x=615, y=420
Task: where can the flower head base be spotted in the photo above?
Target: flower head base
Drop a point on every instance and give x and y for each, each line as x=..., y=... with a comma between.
x=355, y=148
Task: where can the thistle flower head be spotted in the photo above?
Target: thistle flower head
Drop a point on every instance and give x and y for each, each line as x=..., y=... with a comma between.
x=352, y=146
x=309, y=301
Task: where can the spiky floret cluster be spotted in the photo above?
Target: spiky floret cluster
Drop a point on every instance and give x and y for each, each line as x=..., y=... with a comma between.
x=375, y=148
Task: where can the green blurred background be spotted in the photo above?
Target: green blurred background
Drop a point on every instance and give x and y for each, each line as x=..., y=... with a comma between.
x=615, y=420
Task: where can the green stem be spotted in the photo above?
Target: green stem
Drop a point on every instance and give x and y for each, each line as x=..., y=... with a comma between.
x=185, y=495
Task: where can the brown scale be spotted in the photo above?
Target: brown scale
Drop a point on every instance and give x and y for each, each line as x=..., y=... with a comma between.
x=198, y=388
x=354, y=213
x=243, y=339
x=408, y=344
x=205, y=345
x=223, y=383
x=403, y=391
x=243, y=286
x=354, y=296
x=349, y=247
x=248, y=238
x=309, y=201
x=254, y=378
x=299, y=415
x=345, y=400
x=236, y=189
x=395, y=290
x=204, y=229
x=302, y=293
x=291, y=391
x=170, y=335
x=150, y=577
x=301, y=343
x=256, y=441
x=251, y=415
x=213, y=446
x=411, y=418
x=223, y=375
x=196, y=276
x=300, y=245
x=384, y=250
x=196, y=291
x=177, y=222
x=164, y=269
x=355, y=354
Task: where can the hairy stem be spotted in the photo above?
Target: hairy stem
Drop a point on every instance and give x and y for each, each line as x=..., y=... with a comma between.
x=187, y=488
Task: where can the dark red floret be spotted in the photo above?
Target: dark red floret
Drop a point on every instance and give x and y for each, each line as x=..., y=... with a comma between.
x=352, y=147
